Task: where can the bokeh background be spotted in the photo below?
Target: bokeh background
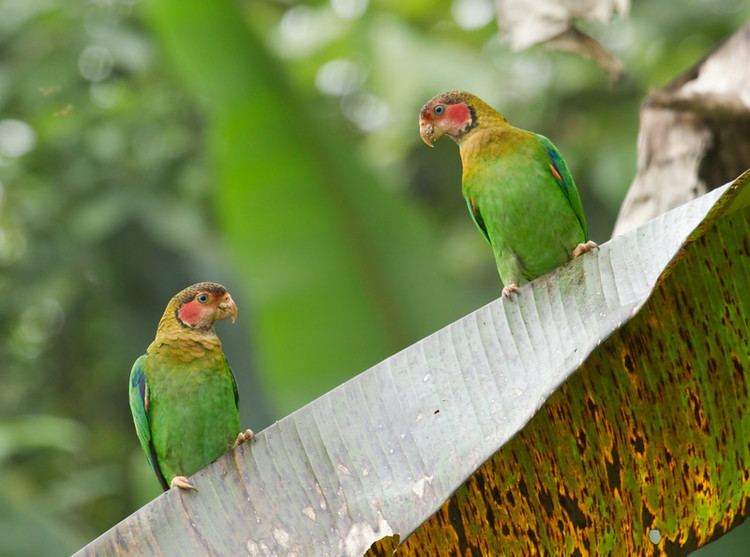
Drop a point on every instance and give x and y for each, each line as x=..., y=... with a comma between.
x=272, y=146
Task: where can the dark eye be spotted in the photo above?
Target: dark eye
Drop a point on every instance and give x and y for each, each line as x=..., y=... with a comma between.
x=439, y=109
x=202, y=298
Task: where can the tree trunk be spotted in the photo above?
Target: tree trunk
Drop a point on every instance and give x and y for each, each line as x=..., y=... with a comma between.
x=695, y=134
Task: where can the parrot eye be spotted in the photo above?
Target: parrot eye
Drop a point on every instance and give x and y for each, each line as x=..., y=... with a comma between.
x=439, y=109
x=202, y=298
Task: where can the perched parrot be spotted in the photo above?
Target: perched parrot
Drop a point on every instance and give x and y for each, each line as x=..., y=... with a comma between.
x=517, y=186
x=183, y=395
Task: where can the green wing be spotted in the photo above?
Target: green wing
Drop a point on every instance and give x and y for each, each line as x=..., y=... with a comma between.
x=234, y=384
x=561, y=174
x=476, y=216
x=139, y=409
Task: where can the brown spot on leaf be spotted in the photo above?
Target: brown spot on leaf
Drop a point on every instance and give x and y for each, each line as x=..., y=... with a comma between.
x=545, y=498
x=627, y=362
x=575, y=514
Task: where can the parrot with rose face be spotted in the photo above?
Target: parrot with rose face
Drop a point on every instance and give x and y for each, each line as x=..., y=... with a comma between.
x=517, y=187
x=183, y=395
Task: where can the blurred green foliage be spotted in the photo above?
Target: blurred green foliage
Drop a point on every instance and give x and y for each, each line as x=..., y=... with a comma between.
x=272, y=147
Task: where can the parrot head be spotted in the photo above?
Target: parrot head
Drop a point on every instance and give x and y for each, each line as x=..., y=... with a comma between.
x=454, y=114
x=199, y=306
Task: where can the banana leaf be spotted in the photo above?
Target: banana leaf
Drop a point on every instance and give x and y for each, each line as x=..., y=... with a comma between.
x=605, y=409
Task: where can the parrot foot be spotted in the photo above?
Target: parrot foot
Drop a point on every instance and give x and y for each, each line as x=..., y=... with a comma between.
x=182, y=482
x=243, y=436
x=580, y=249
x=510, y=289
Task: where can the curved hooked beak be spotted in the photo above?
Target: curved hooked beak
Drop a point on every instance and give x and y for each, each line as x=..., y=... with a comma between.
x=228, y=308
x=427, y=133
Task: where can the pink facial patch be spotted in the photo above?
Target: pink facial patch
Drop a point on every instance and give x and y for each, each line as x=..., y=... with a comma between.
x=190, y=313
x=458, y=115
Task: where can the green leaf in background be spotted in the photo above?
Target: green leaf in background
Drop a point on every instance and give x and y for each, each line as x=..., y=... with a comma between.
x=336, y=268
x=642, y=450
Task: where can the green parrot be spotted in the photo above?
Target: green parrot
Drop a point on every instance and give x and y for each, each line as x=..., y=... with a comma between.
x=183, y=395
x=517, y=186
